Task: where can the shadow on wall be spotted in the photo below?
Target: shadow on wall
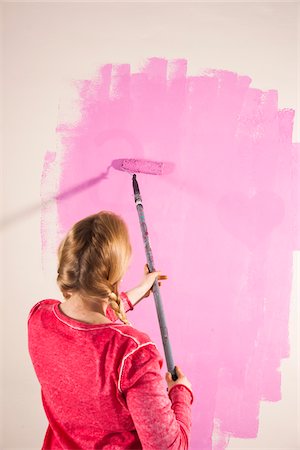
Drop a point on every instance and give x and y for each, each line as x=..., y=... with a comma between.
x=26, y=212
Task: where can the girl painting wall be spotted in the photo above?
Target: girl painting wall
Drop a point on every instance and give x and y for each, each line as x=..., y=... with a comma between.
x=211, y=89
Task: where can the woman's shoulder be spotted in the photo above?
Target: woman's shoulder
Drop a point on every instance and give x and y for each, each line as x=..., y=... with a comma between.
x=138, y=342
x=136, y=335
x=44, y=302
x=139, y=359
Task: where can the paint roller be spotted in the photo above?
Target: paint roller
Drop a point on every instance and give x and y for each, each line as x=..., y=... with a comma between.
x=134, y=166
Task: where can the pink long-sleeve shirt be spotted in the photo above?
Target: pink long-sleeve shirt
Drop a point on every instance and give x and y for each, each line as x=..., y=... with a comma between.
x=101, y=385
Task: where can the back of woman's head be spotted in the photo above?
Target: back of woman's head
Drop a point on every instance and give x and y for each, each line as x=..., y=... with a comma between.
x=93, y=257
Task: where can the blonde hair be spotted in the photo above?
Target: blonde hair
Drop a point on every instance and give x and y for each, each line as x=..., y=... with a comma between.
x=93, y=257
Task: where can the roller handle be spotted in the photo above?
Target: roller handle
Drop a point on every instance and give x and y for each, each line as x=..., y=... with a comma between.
x=155, y=287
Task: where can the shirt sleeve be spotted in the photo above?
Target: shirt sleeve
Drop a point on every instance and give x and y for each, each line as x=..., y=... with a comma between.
x=162, y=420
x=128, y=306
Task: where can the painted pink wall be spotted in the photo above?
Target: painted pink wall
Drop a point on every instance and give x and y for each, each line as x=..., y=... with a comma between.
x=222, y=226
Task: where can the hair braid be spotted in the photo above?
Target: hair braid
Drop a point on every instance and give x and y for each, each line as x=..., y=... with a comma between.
x=115, y=304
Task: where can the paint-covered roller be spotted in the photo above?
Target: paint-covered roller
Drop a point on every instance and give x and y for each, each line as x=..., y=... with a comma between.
x=153, y=168
x=143, y=166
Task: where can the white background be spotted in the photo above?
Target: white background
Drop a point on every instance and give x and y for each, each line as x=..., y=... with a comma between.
x=45, y=46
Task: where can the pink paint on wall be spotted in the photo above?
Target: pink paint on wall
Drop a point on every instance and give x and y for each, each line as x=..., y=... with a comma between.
x=221, y=225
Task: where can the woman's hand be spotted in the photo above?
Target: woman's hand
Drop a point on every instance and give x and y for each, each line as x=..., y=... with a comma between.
x=144, y=288
x=147, y=282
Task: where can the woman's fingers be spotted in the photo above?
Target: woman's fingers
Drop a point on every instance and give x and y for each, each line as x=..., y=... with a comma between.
x=146, y=269
x=162, y=277
x=159, y=283
x=150, y=278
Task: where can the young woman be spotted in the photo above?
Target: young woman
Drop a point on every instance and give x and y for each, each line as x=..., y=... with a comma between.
x=100, y=380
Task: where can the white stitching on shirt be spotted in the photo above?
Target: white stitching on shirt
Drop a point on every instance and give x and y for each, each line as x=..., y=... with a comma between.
x=128, y=335
x=123, y=361
x=94, y=328
x=80, y=328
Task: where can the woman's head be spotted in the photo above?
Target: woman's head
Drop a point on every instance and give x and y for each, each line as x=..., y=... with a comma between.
x=93, y=257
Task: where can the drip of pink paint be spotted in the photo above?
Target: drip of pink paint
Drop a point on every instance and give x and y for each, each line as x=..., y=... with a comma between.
x=222, y=225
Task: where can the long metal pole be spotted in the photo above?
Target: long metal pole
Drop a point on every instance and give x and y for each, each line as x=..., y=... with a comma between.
x=155, y=288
